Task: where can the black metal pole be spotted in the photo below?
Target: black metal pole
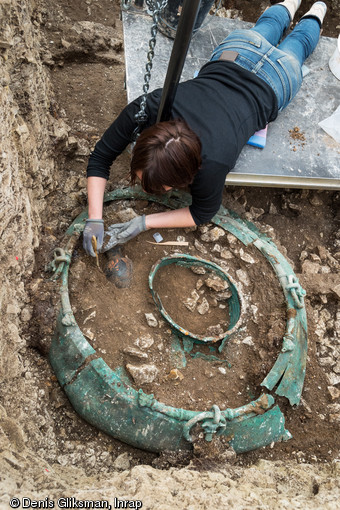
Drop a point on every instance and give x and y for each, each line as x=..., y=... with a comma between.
x=179, y=52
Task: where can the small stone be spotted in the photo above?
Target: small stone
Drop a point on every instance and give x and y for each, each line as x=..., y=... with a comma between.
x=222, y=370
x=248, y=341
x=294, y=207
x=217, y=248
x=334, y=418
x=142, y=374
x=213, y=235
x=213, y=301
x=336, y=368
x=122, y=462
x=199, y=247
x=216, y=330
x=303, y=255
x=144, y=342
x=151, y=320
x=272, y=209
x=336, y=290
x=203, y=307
x=127, y=214
x=216, y=283
x=231, y=239
x=333, y=379
x=316, y=200
x=314, y=257
x=226, y=254
x=256, y=212
x=191, y=303
x=181, y=239
x=309, y=267
x=12, y=309
x=198, y=269
x=326, y=361
x=136, y=353
x=65, y=44
x=208, y=373
x=223, y=296
x=334, y=392
x=199, y=283
x=246, y=257
x=89, y=334
x=175, y=374
x=90, y=316
x=243, y=277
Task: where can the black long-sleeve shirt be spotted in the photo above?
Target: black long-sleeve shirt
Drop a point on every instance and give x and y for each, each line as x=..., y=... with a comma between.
x=224, y=105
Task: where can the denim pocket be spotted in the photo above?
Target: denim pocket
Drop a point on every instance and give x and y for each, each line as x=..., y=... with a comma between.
x=292, y=74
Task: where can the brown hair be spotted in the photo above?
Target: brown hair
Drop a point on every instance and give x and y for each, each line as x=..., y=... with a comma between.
x=168, y=154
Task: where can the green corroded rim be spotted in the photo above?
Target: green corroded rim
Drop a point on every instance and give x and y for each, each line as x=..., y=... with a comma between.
x=234, y=302
x=104, y=397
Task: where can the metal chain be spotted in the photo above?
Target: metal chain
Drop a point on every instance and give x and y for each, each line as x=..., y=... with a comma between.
x=126, y=4
x=155, y=7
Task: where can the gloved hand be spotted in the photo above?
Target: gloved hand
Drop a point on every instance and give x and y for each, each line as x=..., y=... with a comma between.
x=121, y=233
x=93, y=228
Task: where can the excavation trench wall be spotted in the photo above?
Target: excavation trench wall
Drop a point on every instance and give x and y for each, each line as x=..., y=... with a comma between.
x=33, y=139
x=27, y=169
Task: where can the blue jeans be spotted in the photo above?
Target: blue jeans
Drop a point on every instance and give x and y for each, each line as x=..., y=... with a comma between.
x=259, y=50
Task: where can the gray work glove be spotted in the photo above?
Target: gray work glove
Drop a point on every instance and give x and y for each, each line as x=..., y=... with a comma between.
x=121, y=233
x=93, y=228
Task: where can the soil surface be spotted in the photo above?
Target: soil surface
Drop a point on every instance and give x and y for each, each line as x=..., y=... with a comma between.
x=88, y=76
x=116, y=321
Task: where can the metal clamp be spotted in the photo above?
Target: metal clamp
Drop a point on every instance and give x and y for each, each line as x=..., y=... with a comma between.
x=60, y=257
x=297, y=292
x=214, y=423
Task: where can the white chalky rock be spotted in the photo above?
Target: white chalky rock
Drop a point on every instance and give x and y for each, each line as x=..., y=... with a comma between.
x=203, y=307
x=309, y=267
x=213, y=235
x=199, y=247
x=144, y=342
x=223, y=296
x=217, y=248
x=243, y=277
x=246, y=257
x=89, y=334
x=127, y=214
x=198, y=269
x=142, y=374
x=191, y=303
x=199, y=283
x=336, y=368
x=226, y=254
x=334, y=392
x=248, y=341
x=333, y=379
x=151, y=320
x=231, y=239
x=122, y=462
x=216, y=330
x=216, y=283
x=256, y=212
x=326, y=361
x=136, y=353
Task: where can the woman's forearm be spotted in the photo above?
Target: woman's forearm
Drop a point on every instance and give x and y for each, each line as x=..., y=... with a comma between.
x=170, y=219
x=95, y=193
